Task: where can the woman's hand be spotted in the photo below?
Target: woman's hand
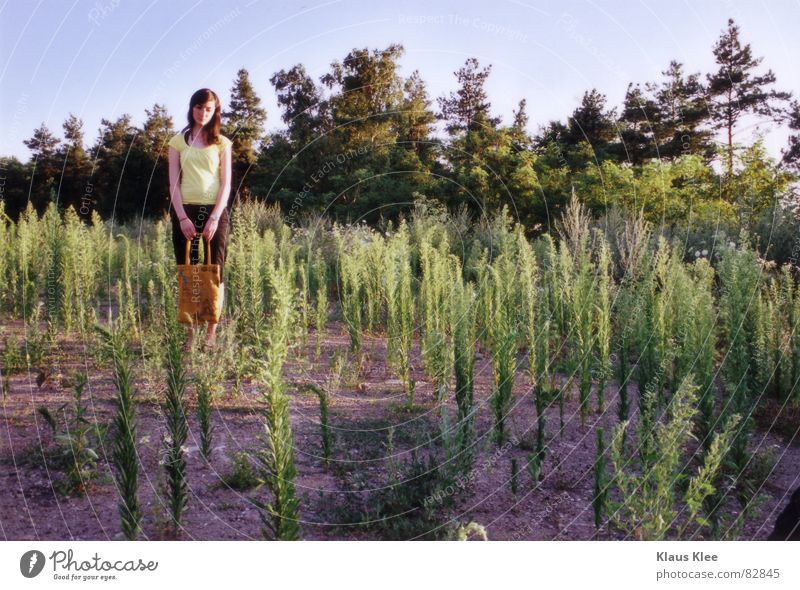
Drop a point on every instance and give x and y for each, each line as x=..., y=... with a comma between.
x=188, y=229
x=210, y=228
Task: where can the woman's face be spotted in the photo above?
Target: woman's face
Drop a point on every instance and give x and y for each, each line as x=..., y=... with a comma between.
x=202, y=112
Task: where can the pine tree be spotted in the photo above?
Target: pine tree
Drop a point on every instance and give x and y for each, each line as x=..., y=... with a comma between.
x=46, y=168
x=735, y=90
x=72, y=155
x=591, y=122
x=243, y=124
x=156, y=132
x=791, y=155
x=120, y=190
x=682, y=113
x=519, y=133
x=637, y=119
x=468, y=108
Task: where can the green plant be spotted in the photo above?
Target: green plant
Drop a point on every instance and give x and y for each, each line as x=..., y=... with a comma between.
x=602, y=320
x=582, y=329
x=325, y=431
x=649, y=491
x=407, y=508
x=77, y=443
x=177, y=428
x=12, y=358
x=124, y=455
x=464, y=309
x=739, y=274
x=504, y=347
x=352, y=279
x=277, y=459
x=465, y=532
x=702, y=486
x=400, y=309
x=320, y=276
x=243, y=475
x=209, y=373
x=37, y=342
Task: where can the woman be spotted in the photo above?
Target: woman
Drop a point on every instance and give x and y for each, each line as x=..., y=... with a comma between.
x=200, y=181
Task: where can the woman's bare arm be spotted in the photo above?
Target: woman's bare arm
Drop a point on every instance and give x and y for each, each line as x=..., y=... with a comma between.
x=224, y=184
x=174, y=182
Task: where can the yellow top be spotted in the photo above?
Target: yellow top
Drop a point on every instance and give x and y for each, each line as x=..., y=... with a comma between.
x=200, y=169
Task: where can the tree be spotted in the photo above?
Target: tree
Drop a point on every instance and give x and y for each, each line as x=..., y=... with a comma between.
x=152, y=149
x=791, y=155
x=736, y=90
x=638, y=117
x=366, y=97
x=157, y=131
x=759, y=185
x=519, y=128
x=243, y=124
x=75, y=165
x=284, y=162
x=301, y=102
x=45, y=170
x=119, y=183
x=682, y=113
x=367, y=94
x=415, y=119
x=591, y=122
x=468, y=108
x=15, y=179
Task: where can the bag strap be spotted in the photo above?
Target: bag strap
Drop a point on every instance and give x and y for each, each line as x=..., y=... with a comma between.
x=187, y=260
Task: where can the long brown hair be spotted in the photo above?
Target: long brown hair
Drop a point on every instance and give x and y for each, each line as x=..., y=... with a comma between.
x=211, y=129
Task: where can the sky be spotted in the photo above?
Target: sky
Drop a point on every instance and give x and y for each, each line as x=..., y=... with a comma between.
x=103, y=58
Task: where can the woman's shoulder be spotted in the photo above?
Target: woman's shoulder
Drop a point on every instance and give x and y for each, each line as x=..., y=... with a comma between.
x=177, y=141
x=224, y=143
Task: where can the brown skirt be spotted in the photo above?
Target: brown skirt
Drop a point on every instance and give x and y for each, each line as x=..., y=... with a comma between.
x=199, y=216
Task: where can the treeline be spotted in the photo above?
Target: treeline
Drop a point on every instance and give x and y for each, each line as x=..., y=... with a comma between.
x=362, y=142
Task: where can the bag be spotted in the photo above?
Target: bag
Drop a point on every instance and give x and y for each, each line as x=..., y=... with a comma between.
x=200, y=293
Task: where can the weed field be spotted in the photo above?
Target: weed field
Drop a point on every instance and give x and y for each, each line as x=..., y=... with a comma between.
x=439, y=378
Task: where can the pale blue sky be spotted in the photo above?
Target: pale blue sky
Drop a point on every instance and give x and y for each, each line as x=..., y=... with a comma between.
x=102, y=58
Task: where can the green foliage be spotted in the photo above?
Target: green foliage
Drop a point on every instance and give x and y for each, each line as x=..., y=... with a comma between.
x=352, y=274
x=439, y=270
x=397, y=278
x=649, y=490
x=243, y=475
x=319, y=275
x=209, y=374
x=325, y=432
x=602, y=322
x=704, y=485
x=78, y=443
x=280, y=516
x=740, y=286
x=176, y=424
x=124, y=455
x=504, y=333
x=408, y=507
x=463, y=308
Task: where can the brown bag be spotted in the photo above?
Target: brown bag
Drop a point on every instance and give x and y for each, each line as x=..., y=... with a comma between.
x=200, y=293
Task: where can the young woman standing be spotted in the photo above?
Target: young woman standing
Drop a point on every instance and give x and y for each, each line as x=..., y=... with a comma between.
x=200, y=183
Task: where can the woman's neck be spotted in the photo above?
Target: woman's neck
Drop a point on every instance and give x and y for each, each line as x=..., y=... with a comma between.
x=196, y=130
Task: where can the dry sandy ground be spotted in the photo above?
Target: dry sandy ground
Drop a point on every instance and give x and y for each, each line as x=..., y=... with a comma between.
x=330, y=498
